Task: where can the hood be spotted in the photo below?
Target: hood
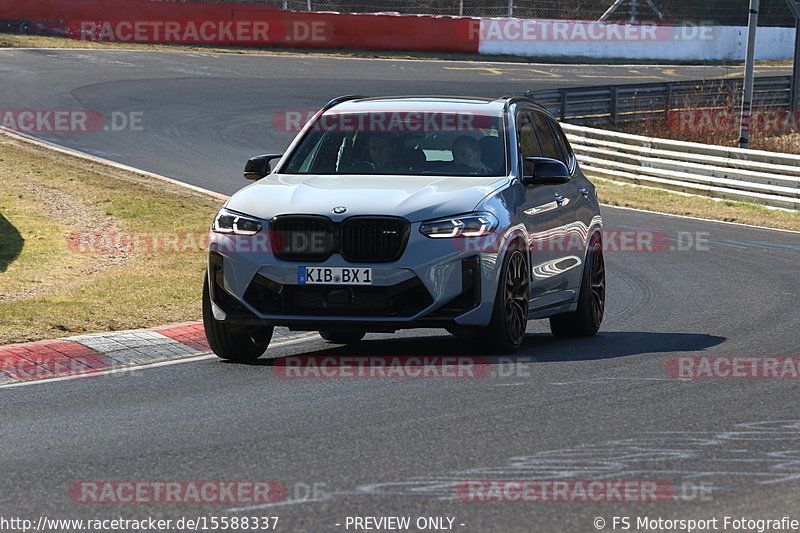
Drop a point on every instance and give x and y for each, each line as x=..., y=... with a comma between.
x=415, y=198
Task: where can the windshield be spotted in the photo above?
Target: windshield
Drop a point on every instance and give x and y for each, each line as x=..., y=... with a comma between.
x=439, y=144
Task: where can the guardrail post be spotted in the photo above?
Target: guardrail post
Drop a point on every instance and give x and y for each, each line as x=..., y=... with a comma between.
x=668, y=104
x=563, y=103
x=614, y=105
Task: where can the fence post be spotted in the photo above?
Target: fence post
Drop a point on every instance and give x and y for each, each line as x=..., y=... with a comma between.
x=796, y=70
x=794, y=6
x=750, y=61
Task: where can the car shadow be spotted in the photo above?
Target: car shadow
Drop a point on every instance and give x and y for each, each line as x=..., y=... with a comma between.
x=11, y=243
x=538, y=347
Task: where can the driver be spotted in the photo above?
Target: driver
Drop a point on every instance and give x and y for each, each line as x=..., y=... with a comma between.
x=382, y=152
x=467, y=152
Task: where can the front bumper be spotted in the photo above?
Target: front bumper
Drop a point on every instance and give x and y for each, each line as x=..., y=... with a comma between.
x=435, y=283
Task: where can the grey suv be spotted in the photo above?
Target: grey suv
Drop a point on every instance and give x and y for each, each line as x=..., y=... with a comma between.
x=469, y=214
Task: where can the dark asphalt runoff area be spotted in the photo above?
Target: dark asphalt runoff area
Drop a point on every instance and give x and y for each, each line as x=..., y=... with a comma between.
x=601, y=408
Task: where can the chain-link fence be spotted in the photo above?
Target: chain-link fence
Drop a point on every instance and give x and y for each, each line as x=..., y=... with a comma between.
x=722, y=12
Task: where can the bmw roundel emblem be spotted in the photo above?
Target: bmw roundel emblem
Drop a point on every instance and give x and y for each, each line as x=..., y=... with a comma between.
x=340, y=209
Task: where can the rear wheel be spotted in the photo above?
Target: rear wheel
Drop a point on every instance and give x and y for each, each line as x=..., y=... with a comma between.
x=231, y=341
x=585, y=321
x=506, y=330
x=338, y=336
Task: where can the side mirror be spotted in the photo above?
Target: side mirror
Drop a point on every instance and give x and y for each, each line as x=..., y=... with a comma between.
x=543, y=171
x=257, y=167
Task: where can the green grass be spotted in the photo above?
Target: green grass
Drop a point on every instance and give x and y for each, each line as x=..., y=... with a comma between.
x=652, y=199
x=49, y=289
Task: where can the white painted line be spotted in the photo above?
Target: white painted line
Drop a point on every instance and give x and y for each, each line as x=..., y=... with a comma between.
x=145, y=366
x=698, y=218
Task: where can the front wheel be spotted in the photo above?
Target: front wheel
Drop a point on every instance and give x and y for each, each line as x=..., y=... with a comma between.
x=231, y=341
x=506, y=330
x=586, y=319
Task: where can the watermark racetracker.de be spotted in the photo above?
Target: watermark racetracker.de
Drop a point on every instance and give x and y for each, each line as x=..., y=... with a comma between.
x=515, y=30
x=273, y=30
x=733, y=367
x=774, y=121
x=70, y=120
x=177, y=492
x=267, y=242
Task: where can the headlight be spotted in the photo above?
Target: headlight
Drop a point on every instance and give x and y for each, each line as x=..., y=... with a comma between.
x=232, y=222
x=472, y=225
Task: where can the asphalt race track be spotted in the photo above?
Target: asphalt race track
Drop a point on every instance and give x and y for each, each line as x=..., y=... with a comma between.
x=203, y=115
x=598, y=408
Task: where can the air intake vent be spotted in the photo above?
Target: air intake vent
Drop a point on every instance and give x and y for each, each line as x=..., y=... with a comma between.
x=360, y=239
x=373, y=239
x=302, y=238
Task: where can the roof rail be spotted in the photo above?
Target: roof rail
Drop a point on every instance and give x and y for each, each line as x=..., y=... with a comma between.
x=513, y=98
x=339, y=99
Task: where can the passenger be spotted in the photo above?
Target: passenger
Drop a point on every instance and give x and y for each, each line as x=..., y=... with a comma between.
x=467, y=152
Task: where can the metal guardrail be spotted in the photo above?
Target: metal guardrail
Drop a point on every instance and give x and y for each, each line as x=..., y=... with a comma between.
x=755, y=176
x=654, y=101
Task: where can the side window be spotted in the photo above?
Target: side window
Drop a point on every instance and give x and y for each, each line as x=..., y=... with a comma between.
x=528, y=143
x=546, y=138
x=561, y=140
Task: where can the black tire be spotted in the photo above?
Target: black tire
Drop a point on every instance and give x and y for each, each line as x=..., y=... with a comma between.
x=230, y=341
x=506, y=330
x=338, y=336
x=586, y=320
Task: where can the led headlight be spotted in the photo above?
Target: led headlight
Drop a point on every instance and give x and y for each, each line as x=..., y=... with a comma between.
x=235, y=223
x=472, y=225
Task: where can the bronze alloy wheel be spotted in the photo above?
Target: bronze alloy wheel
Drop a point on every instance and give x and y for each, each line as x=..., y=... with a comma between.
x=598, y=280
x=516, y=297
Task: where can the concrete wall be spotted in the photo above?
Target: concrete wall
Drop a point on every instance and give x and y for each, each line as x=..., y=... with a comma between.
x=554, y=38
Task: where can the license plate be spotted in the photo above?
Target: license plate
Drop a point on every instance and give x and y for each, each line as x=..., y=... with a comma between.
x=334, y=276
